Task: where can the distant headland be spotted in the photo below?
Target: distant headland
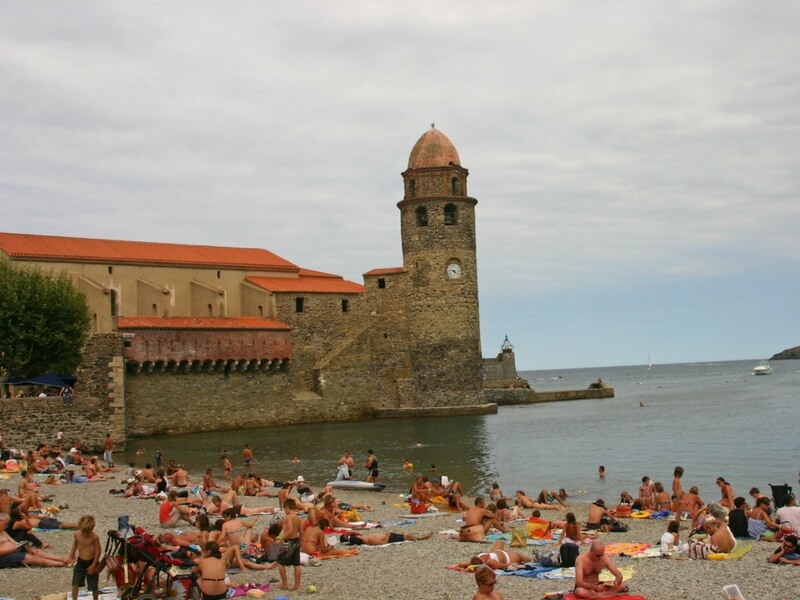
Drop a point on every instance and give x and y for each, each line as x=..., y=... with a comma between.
x=789, y=353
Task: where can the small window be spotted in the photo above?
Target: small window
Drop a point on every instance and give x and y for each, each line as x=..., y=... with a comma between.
x=299, y=305
x=112, y=298
x=422, y=216
x=412, y=188
x=210, y=309
x=381, y=283
x=345, y=305
x=450, y=214
x=260, y=310
x=455, y=186
x=218, y=274
x=154, y=308
x=110, y=270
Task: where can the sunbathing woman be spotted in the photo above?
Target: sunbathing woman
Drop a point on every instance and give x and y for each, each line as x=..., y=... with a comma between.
x=691, y=504
x=571, y=532
x=524, y=501
x=661, y=500
x=314, y=543
x=331, y=513
x=497, y=557
x=760, y=524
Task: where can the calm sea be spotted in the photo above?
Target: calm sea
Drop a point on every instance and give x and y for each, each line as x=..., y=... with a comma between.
x=714, y=419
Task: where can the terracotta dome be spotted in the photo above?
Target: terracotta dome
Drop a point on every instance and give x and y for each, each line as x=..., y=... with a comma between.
x=433, y=149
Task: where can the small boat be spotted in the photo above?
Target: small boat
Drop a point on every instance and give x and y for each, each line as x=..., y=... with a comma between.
x=762, y=368
x=352, y=484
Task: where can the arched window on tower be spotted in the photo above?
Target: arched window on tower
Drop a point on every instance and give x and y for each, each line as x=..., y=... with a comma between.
x=455, y=186
x=422, y=216
x=450, y=214
x=412, y=188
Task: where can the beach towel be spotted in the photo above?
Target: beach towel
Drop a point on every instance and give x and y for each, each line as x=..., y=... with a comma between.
x=627, y=548
x=734, y=554
x=243, y=589
x=571, y=596
x=493, y=537
x=605, y=575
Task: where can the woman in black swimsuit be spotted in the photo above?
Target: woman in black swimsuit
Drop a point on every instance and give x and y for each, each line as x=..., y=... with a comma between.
x=212, y=570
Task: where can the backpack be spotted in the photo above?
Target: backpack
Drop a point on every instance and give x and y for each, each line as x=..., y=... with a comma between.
x=568, y=554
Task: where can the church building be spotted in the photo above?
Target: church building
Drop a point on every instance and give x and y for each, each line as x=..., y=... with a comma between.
x=274, y=342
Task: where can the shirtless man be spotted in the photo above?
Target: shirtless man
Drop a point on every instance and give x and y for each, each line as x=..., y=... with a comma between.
x=7, y=502
x=587, y=574
x=420, y=489
x=247, y=455
x=381, y=539
x=148, y=473
x=478, y=520
x=290, y=546
x=346, y=465
x=599, y=518
x=452, y=491
x=497, y=557
x=721, y=540
x=210, y=486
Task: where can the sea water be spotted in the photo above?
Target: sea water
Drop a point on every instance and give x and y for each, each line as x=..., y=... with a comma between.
x=714, y=419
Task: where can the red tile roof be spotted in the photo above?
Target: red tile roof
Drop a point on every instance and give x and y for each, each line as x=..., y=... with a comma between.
x=328, y=284
x=201, y=323
x=69, y=249
x=386, y=271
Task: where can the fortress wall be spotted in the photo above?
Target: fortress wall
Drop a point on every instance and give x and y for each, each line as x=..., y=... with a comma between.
x=190, y=402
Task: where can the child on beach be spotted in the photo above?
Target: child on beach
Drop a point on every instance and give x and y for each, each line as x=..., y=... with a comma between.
x=290, y=546
x=670, y=539
x=86, y=546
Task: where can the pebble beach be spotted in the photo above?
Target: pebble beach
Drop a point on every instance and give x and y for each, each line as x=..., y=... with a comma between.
x=411, y=570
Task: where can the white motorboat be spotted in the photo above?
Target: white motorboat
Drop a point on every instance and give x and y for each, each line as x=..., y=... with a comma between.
x=762, y=368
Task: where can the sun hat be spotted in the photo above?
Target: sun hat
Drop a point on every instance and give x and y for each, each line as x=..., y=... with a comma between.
x=300, y=478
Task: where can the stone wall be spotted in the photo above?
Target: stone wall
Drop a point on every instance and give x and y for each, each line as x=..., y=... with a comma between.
x=98, y=407
x=190, y=402
x=28, y=421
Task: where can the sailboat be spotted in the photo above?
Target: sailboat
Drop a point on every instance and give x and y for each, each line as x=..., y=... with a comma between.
x=649, y=362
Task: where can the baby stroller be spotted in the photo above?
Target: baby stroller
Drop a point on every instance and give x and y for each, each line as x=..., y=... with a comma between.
x=135, y=560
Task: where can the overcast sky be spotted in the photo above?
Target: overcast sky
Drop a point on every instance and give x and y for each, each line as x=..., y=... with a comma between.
x=635, y=163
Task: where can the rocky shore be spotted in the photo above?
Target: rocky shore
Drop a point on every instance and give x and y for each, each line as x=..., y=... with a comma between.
x=409, y=571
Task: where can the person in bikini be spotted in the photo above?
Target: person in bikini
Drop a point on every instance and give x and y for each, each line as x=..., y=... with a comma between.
x=212, y=571
x=478, y=520
x=525, y=501
x=497, y=557
x=727, y=493
x=661, y=500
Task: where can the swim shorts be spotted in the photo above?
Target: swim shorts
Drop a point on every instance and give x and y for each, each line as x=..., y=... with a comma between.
x=81, y=576
x=396, y=537
x=290, y=553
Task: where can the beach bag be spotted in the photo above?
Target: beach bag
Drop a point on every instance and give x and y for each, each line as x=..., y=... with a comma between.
x=623, y=510
x=518, y=538
x=617, y=527
x=418, y=507
x=568, y=554
x=537, y=528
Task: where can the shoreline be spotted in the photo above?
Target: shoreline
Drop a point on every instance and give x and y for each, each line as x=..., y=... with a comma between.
x=405, y=571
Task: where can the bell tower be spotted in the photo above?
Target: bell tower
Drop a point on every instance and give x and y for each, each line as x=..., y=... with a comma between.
x=437, y=224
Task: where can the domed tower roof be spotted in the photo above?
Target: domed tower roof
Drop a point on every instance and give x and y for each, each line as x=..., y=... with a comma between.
x=433, y=149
